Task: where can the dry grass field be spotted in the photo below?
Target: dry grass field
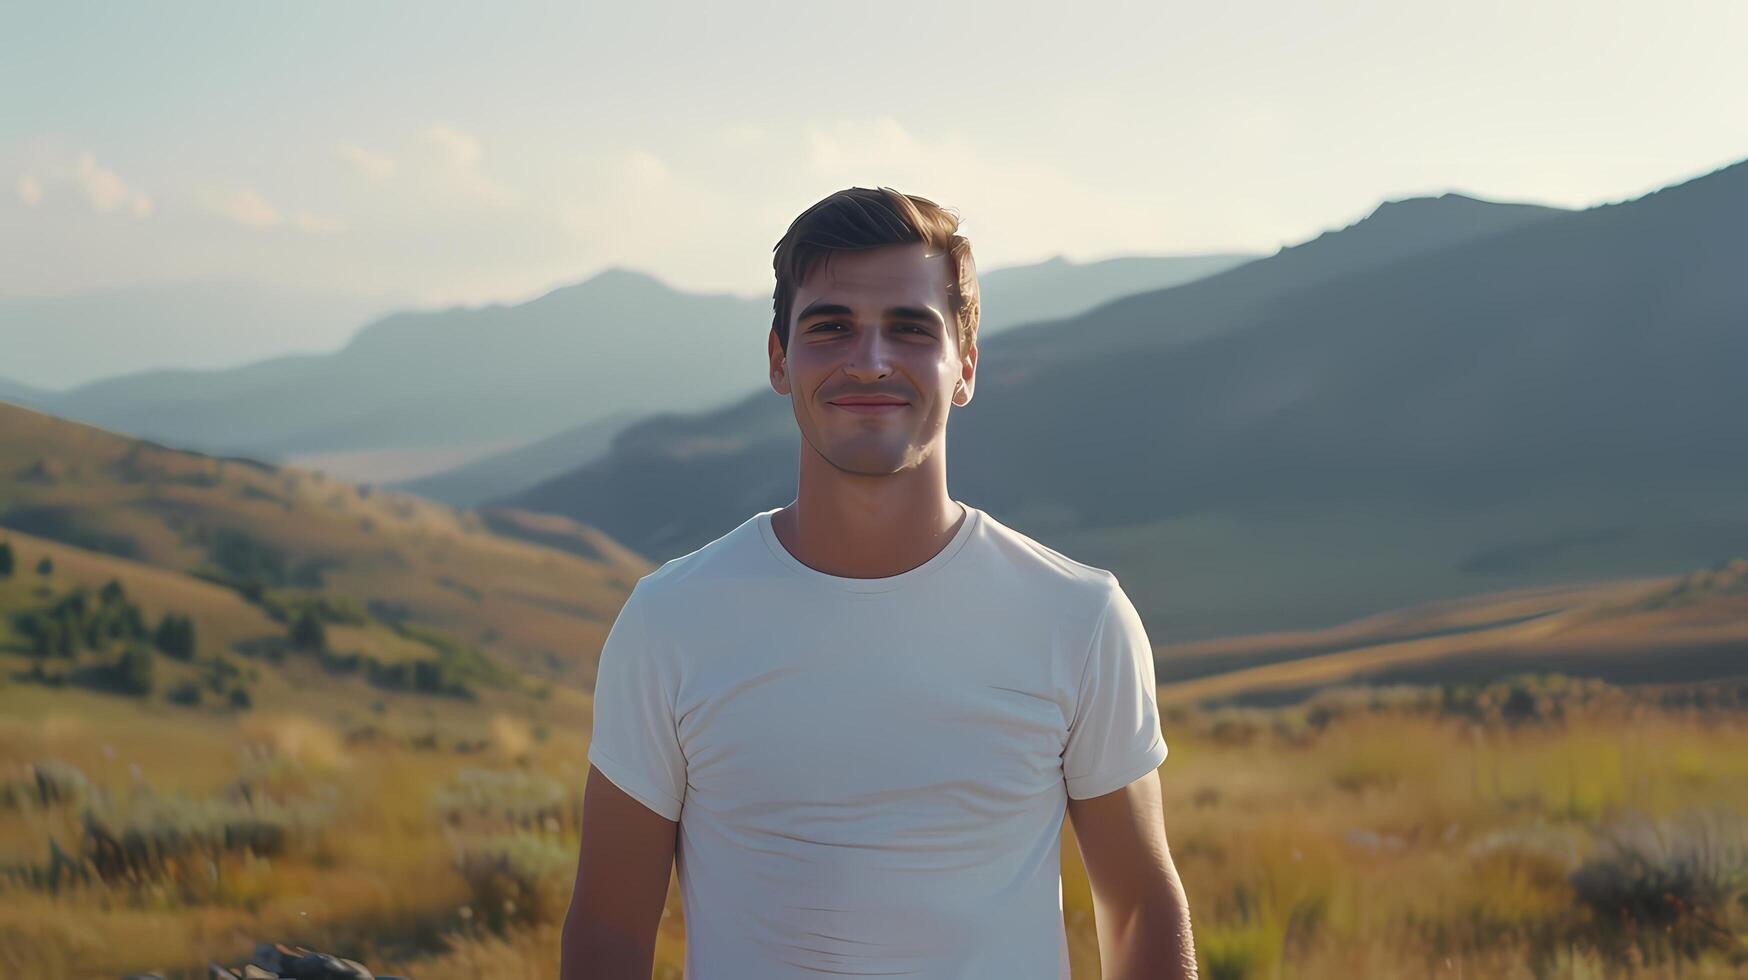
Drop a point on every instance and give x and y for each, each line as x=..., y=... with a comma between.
x=1577, y=832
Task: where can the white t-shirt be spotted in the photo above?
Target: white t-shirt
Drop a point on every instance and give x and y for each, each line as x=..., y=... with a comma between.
x=870, y=775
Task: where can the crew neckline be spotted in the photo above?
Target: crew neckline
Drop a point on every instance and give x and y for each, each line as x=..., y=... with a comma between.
x=890, y=583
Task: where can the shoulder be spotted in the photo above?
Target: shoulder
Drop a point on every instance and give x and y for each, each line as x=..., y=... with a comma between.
x=677, y=580
x=1041, y=570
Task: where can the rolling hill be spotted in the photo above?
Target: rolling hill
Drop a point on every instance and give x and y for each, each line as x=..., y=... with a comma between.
x=243, y=546
x=1674, y=630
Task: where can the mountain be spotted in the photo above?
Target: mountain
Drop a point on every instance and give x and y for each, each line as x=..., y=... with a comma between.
x=1050, y=290
x=1449, y=396
x=629, y=490
x=457, y=377
x=58, y=342
x=1010, y=297
x=503, y=474
x=19, y=393
x=1392, y=231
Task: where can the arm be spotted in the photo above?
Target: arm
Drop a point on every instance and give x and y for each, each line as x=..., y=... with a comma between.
x=622, y=884
x=1139, y=906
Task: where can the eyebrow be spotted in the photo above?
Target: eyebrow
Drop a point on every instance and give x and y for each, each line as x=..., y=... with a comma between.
x=822, y=308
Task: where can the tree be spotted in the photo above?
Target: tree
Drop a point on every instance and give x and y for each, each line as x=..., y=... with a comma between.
x=6, y=559
x=175, y=636
x=64, y=638
x=111, y=592
x=307, y=633
x=46, y=566
x=133, y=672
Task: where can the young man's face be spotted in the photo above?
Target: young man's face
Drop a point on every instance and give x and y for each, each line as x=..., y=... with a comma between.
x=874, y=323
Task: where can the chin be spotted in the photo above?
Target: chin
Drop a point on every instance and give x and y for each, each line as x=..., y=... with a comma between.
x=870, y=464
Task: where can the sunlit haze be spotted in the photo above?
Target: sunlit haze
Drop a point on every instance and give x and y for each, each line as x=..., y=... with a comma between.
x=443, y=153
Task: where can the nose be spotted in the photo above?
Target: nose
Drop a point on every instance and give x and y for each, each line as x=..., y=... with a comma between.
x=870, y=356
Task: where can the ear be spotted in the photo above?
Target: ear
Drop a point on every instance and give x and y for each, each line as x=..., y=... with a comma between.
x=967, y=375
x=779, y=366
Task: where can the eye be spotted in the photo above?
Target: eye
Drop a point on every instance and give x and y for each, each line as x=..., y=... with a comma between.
x=816, y=328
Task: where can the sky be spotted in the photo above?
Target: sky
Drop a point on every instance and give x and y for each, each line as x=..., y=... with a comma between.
x=445, y=153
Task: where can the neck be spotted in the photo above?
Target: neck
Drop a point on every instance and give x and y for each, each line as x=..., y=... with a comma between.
x=863, y=526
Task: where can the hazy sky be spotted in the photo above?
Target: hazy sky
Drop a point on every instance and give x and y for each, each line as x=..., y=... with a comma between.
x=467, y=153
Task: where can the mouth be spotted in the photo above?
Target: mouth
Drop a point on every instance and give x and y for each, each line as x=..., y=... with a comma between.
x=870, y=408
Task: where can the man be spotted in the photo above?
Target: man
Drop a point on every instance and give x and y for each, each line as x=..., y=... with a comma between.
x=856, y=722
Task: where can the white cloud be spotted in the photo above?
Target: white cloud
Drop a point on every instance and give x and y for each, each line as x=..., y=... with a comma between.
x=480, y=187
x=1023, y=209
x=246, y=206
x=463, y=149
x=458, y=171
x=645, y=169
x=375, y=166
x=743, y=134
x=105, y=189
x=707, y=215
x=243, y=205
x=29, y=189
x=305, y=221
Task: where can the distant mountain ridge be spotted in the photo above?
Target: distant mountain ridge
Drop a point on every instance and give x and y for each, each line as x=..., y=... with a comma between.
x=59, y=342
x=19, y=393
x=478, y=378
x=762, y=423
x=1441, y=377
x=1010, y=296
x=446, y=377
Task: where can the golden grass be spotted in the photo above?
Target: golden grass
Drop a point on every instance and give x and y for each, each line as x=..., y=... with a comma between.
x=1384, y=844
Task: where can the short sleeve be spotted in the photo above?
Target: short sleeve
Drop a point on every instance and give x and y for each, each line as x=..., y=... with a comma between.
x=634, y=741
x=1115, y=736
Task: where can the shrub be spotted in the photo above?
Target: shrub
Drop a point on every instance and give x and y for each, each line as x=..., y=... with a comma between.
x=59, y=782
x=1668, y=889
x=153, y=837
x=516, y=879
x=1237, y=952
x=514, y=799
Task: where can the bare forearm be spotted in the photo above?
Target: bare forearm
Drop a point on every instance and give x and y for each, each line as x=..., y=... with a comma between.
x=588, y=952
x=1149, y=939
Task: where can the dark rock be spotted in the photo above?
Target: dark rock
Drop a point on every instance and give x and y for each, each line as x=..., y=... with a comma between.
x=325, y=966
x=282, y=962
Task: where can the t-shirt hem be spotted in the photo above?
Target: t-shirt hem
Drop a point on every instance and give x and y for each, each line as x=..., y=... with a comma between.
x=622, y=776
x=1098, y=784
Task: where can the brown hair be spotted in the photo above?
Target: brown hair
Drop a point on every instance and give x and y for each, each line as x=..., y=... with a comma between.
x=859, y=217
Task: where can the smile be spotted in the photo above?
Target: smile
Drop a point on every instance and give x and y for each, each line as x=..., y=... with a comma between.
x=868, y=409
